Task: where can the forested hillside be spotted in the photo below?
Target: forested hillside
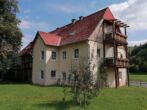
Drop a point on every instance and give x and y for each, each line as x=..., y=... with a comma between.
x=138, y=58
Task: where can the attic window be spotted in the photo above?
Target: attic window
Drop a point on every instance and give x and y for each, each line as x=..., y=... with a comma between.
x=72, y=33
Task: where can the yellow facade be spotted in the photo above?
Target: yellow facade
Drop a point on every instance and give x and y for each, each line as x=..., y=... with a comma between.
x=87, y=50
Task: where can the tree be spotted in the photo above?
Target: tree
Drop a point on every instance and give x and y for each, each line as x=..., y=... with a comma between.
x=10, y=34
x=82, y=83
x=138, y=59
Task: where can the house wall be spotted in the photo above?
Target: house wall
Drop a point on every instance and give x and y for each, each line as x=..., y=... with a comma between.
x=51, y=65
x=111, y=77
x=122, y=76
x=65, y=65
x=38, y=64
x=60, y=65
x=121, y=51
x=109, y=51
x=94, y=58
x=96, y=42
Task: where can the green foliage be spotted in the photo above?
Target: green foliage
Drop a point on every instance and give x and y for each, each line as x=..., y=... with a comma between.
x=85, y=85
x=102, y=75
x=82, y=83
x=10, y=34
x=138, y=59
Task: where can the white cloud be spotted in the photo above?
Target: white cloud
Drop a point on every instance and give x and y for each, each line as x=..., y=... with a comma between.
x=133, y=12
x=25, y=24
x=32, y=26
x=26, y=11
x=133, y=43
x=67, y=8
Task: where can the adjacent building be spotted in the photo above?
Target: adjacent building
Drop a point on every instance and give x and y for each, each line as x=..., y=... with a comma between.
x=26, y=59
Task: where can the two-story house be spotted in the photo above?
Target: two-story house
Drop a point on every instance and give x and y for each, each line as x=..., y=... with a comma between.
x=94, y=37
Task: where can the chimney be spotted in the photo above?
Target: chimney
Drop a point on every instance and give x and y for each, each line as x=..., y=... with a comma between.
x=73, y=21
x=81, y=17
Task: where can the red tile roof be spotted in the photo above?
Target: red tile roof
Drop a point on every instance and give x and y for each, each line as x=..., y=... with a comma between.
x=50, y=39
x=27, y=50
x=75, y=32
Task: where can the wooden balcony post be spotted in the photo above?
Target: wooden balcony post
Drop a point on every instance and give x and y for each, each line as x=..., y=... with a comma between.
x=114, y=44
x=103, y=39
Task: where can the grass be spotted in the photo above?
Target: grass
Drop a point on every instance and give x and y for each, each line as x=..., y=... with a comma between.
x=138, y=77
x=29, y=97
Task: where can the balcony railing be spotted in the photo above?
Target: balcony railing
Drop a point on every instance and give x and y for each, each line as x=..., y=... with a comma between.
x=119, y=62
x=119, y=38
x=122, y=62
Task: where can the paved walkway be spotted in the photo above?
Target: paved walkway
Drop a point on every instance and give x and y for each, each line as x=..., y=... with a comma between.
x=138, y=83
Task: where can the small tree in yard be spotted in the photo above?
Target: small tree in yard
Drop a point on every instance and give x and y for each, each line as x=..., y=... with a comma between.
x=82, y=83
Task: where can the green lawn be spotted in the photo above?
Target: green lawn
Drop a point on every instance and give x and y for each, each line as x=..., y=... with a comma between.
x=29, y=97
x=138, y=77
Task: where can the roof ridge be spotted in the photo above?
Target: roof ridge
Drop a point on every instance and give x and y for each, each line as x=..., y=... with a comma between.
x=104, y=9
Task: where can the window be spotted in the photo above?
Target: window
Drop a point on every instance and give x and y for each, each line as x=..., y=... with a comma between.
x=42, y=74
x=76, y=53
x=98, y=52
x=42, y=55
x=53, y=55
x=64, y=55
x=53, y=74
x=121, y=56
x=64, y=76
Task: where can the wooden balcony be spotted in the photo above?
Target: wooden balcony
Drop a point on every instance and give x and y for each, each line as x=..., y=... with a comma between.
x=119, y=62
x=122, y=62
x=119, y=38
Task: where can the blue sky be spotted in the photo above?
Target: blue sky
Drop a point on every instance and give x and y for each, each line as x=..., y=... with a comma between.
x=47, y=15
